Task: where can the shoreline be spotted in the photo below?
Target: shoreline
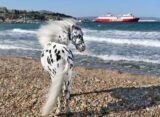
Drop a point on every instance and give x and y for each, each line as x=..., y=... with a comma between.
x=89, y=67
x=95, y=92
x=96, y=67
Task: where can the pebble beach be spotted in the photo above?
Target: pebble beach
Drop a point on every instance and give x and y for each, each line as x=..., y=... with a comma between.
x=95, y=92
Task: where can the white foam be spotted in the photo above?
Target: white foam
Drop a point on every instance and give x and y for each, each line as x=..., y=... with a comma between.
x=135, y=58
x=120, y=58
x=149, y=20
x=18, y=30
x=139, y=42
x=122, y=34
x=9, y=47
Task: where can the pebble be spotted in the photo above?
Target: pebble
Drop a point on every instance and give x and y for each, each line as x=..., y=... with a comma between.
x=96, y=92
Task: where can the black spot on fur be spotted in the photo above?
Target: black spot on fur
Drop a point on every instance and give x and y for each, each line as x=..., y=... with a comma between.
x=57, y=64
x=59, y=36
x=46, y=50
x=70, y=58
x=53, y=71
x=52, y=61
x=68, y=83
x=58, y=52
x=62, y=51
x=69, y=51
x=55, y=51
x=49, y=68
x=42, y=55
x=49, y=51
x=48, y=60
x=54, y=46
x=51, y=56
x=58, y=57
x=66, y=49
x=71, y=65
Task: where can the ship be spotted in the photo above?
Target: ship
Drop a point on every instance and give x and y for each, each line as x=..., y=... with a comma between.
x=112, y=18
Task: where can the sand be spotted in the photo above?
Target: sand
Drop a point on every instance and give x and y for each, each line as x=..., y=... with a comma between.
x=95, y=92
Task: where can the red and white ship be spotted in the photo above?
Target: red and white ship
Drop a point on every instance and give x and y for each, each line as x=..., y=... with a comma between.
x=111, y=18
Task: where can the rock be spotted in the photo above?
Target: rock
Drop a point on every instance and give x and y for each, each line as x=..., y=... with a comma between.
x=95, y=92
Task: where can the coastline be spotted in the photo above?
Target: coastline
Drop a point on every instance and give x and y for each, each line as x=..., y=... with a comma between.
x=97, y=92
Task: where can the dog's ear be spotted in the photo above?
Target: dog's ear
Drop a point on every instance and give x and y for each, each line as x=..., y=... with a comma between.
x=76, y=27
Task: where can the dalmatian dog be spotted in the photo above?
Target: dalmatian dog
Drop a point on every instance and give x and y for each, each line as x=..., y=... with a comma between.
x=57, y=59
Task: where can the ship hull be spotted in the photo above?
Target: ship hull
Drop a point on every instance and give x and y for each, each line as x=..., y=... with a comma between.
x=118, y=20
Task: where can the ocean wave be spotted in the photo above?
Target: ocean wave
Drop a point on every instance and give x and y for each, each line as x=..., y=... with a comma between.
x=119, y=58
x=142, y=42
x=18, y=30
x=122, y=34
x=9, y=47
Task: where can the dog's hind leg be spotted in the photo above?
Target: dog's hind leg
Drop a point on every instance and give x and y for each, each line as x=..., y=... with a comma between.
x=67, y=91
x=59, y=105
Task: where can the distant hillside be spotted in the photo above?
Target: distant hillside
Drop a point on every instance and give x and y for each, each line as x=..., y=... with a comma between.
x=16, y=16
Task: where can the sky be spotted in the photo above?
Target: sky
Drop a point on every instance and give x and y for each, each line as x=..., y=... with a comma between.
x=83, y=8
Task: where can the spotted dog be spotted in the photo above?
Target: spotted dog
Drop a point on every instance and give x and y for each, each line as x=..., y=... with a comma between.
x=57, y=59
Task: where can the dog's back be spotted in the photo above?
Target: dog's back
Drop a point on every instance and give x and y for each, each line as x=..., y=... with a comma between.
x=54, y=57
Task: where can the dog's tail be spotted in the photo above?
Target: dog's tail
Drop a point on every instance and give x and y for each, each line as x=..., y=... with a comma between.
x=54, y=91
x=50, y=31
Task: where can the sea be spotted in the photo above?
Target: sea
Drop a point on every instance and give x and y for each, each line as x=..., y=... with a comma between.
x=127, y=47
